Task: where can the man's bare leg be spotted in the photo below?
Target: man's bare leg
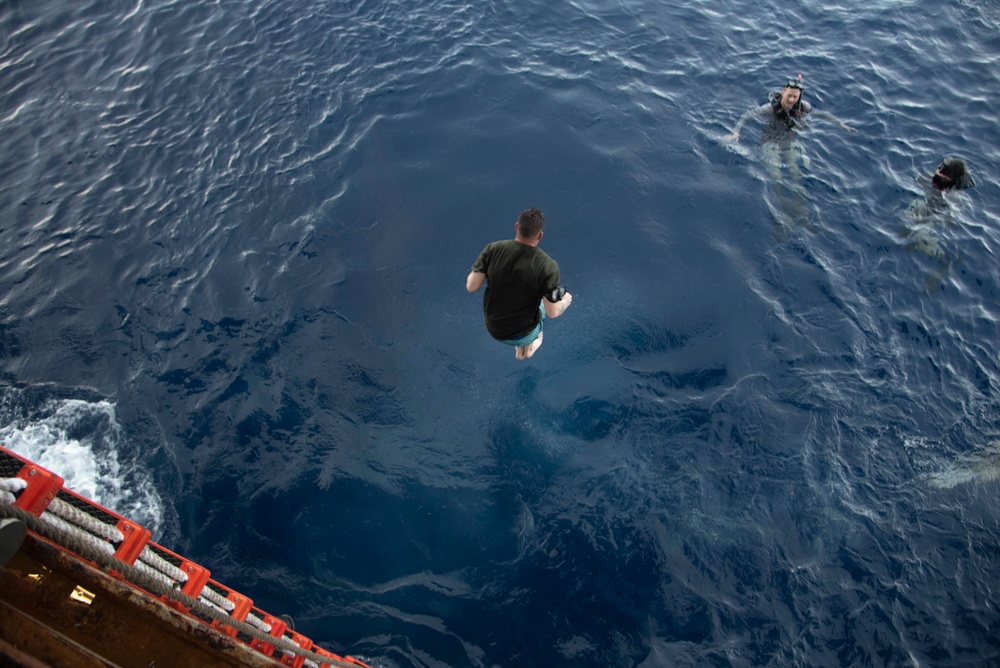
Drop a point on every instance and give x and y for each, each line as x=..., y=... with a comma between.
x=530, y=349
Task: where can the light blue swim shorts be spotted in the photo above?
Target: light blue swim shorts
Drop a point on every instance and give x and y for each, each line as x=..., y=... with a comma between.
x=530, y=336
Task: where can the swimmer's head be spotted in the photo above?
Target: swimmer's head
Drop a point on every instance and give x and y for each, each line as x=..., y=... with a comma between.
x=795, y=83
x=951, y=174
x=791, y=93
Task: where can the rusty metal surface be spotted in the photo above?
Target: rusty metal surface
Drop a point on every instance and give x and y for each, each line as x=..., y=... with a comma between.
x=15, y=658
x=119, y=626
x=35, y=640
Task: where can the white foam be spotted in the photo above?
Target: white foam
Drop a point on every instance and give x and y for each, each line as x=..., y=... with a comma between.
x=90, y=464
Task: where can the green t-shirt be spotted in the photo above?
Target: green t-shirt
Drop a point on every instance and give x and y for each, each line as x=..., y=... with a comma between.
x=517, y=275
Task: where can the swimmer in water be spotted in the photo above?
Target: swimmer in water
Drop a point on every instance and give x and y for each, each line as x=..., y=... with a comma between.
x=785, y=118
x=936, y=210
x=952, y=174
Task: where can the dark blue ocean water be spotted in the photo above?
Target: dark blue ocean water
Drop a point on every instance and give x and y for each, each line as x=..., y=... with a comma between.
x=233, y=244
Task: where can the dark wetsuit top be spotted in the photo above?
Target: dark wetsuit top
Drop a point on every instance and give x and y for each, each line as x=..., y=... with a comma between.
x=780, y=126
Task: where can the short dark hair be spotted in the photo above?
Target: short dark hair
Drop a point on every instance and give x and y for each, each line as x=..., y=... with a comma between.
x=953, y=168
x=530, y=222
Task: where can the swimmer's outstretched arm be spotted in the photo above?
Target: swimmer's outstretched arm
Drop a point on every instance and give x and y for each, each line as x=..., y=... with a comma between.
x=556, y=309
x=474, y=280
x=756, y=112
x=830, y=117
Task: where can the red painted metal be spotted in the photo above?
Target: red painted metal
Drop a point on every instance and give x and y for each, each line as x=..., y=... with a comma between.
x=43, y=486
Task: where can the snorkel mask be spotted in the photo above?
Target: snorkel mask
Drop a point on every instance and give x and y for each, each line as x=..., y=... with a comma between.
x=942, y=182
x=949, y=174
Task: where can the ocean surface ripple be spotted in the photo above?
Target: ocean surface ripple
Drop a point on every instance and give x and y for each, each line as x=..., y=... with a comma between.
x=234, y=242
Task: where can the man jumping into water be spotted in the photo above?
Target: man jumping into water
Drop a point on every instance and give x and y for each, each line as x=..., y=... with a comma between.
x=522, y=286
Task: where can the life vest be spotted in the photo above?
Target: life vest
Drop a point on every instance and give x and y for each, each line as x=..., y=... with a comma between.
x=787, y=117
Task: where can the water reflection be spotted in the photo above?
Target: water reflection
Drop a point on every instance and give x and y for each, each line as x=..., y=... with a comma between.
x=981, y=466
